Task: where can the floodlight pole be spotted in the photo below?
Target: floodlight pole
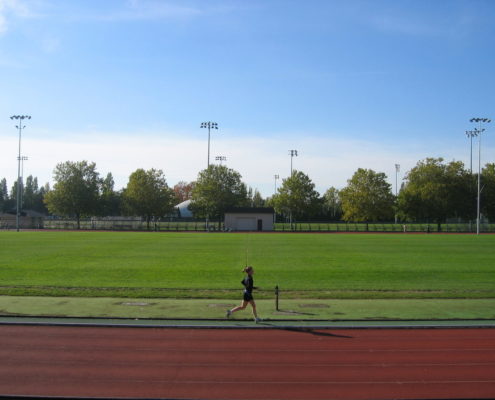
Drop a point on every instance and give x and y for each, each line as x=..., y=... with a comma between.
x=397, y=170
x=23, y=158
x=276, y=176
x=470, y=135
x=479, y=131
x=221, y=158
x=292, y=153
x=20, y=127
x=210, y=125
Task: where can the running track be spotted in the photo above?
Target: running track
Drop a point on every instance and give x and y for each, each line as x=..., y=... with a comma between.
x=247, y=364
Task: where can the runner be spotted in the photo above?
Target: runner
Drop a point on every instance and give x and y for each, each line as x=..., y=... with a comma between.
x=248, y=283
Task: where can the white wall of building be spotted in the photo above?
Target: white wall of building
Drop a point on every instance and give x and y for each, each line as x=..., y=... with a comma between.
x=248, y=221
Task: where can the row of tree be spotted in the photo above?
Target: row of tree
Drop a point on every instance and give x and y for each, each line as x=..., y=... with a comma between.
x=432, y=191
x=31, y=196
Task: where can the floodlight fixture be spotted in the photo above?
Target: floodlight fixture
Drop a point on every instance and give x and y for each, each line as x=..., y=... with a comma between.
x=221, y=158
x=210, y=125
x=478, y=133
x=484, y=120
x=20, y=127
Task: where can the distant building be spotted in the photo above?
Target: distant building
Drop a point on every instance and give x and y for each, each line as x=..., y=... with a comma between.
x=183, y=210
x=249, y=219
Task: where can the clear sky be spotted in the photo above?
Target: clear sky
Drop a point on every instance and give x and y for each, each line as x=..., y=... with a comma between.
x=349, y=84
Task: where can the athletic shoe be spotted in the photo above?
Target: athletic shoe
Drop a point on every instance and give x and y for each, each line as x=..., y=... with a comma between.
x=229, y=313
x=257, y=320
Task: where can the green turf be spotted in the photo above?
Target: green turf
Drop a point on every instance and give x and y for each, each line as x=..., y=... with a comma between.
x=423, y=309
x=303, y=265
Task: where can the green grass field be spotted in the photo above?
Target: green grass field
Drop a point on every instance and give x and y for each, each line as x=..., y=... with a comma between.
x=314, y=309
x=208, y=265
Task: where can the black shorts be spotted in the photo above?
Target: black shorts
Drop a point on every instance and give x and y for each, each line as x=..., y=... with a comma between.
x=248, y=296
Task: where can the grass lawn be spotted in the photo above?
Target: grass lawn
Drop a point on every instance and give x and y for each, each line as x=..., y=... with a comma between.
x=141, y=265
x=410, y=309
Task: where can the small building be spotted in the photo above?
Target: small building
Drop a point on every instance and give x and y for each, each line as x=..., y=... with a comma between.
x=249, y=219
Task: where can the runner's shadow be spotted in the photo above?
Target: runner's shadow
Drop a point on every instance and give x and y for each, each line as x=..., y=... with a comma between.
x=311, y=331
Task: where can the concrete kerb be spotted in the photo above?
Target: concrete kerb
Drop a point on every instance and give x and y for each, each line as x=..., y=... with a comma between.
x=244, y=324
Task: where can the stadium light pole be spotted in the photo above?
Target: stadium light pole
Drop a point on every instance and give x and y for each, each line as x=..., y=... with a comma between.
x=210, y=125
x=20, y=127
x=276, y=176
x=397, y=170
x=479, y=131
x=292, y=153
x=221, y=158
x=23, y=158
x=470, y=135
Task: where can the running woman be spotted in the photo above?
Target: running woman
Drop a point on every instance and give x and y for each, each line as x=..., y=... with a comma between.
x=248, y=283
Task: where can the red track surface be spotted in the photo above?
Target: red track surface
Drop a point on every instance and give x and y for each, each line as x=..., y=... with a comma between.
x=247, y=364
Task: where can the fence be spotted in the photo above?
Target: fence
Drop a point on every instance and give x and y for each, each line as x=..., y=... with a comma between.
x=381, y=227
x=200, y=226
x=129, y=225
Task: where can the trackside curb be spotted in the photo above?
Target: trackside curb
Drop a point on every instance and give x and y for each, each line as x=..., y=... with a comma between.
x=244, y=324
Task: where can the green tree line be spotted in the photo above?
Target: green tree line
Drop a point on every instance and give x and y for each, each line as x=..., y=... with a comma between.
x=433, y=191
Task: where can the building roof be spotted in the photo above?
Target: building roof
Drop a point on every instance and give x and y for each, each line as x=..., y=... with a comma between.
x=184, y=210
x=250, y=210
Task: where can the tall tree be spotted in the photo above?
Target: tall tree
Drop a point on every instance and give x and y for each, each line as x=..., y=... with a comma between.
x=76, y=191
x=4, y=195
x=332, y=205
x=257, y=200
x=367, y=197
x=254, y=198
x=296, y=196
x=183, y=191
x=30, y=191
x=488, y=193
x=435, y=191
x=13, y=194
x=148, y=195
x=39, y=203
x=217, y=189
x=110, y=199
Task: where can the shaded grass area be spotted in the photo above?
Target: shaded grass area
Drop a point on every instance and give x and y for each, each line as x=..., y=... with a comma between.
x=215, y=308
x=206, y=265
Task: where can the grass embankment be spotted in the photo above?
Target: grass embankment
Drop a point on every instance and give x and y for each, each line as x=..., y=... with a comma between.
x=201, y=265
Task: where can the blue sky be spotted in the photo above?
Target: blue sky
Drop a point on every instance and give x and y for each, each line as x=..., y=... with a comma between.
x=349, y=84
